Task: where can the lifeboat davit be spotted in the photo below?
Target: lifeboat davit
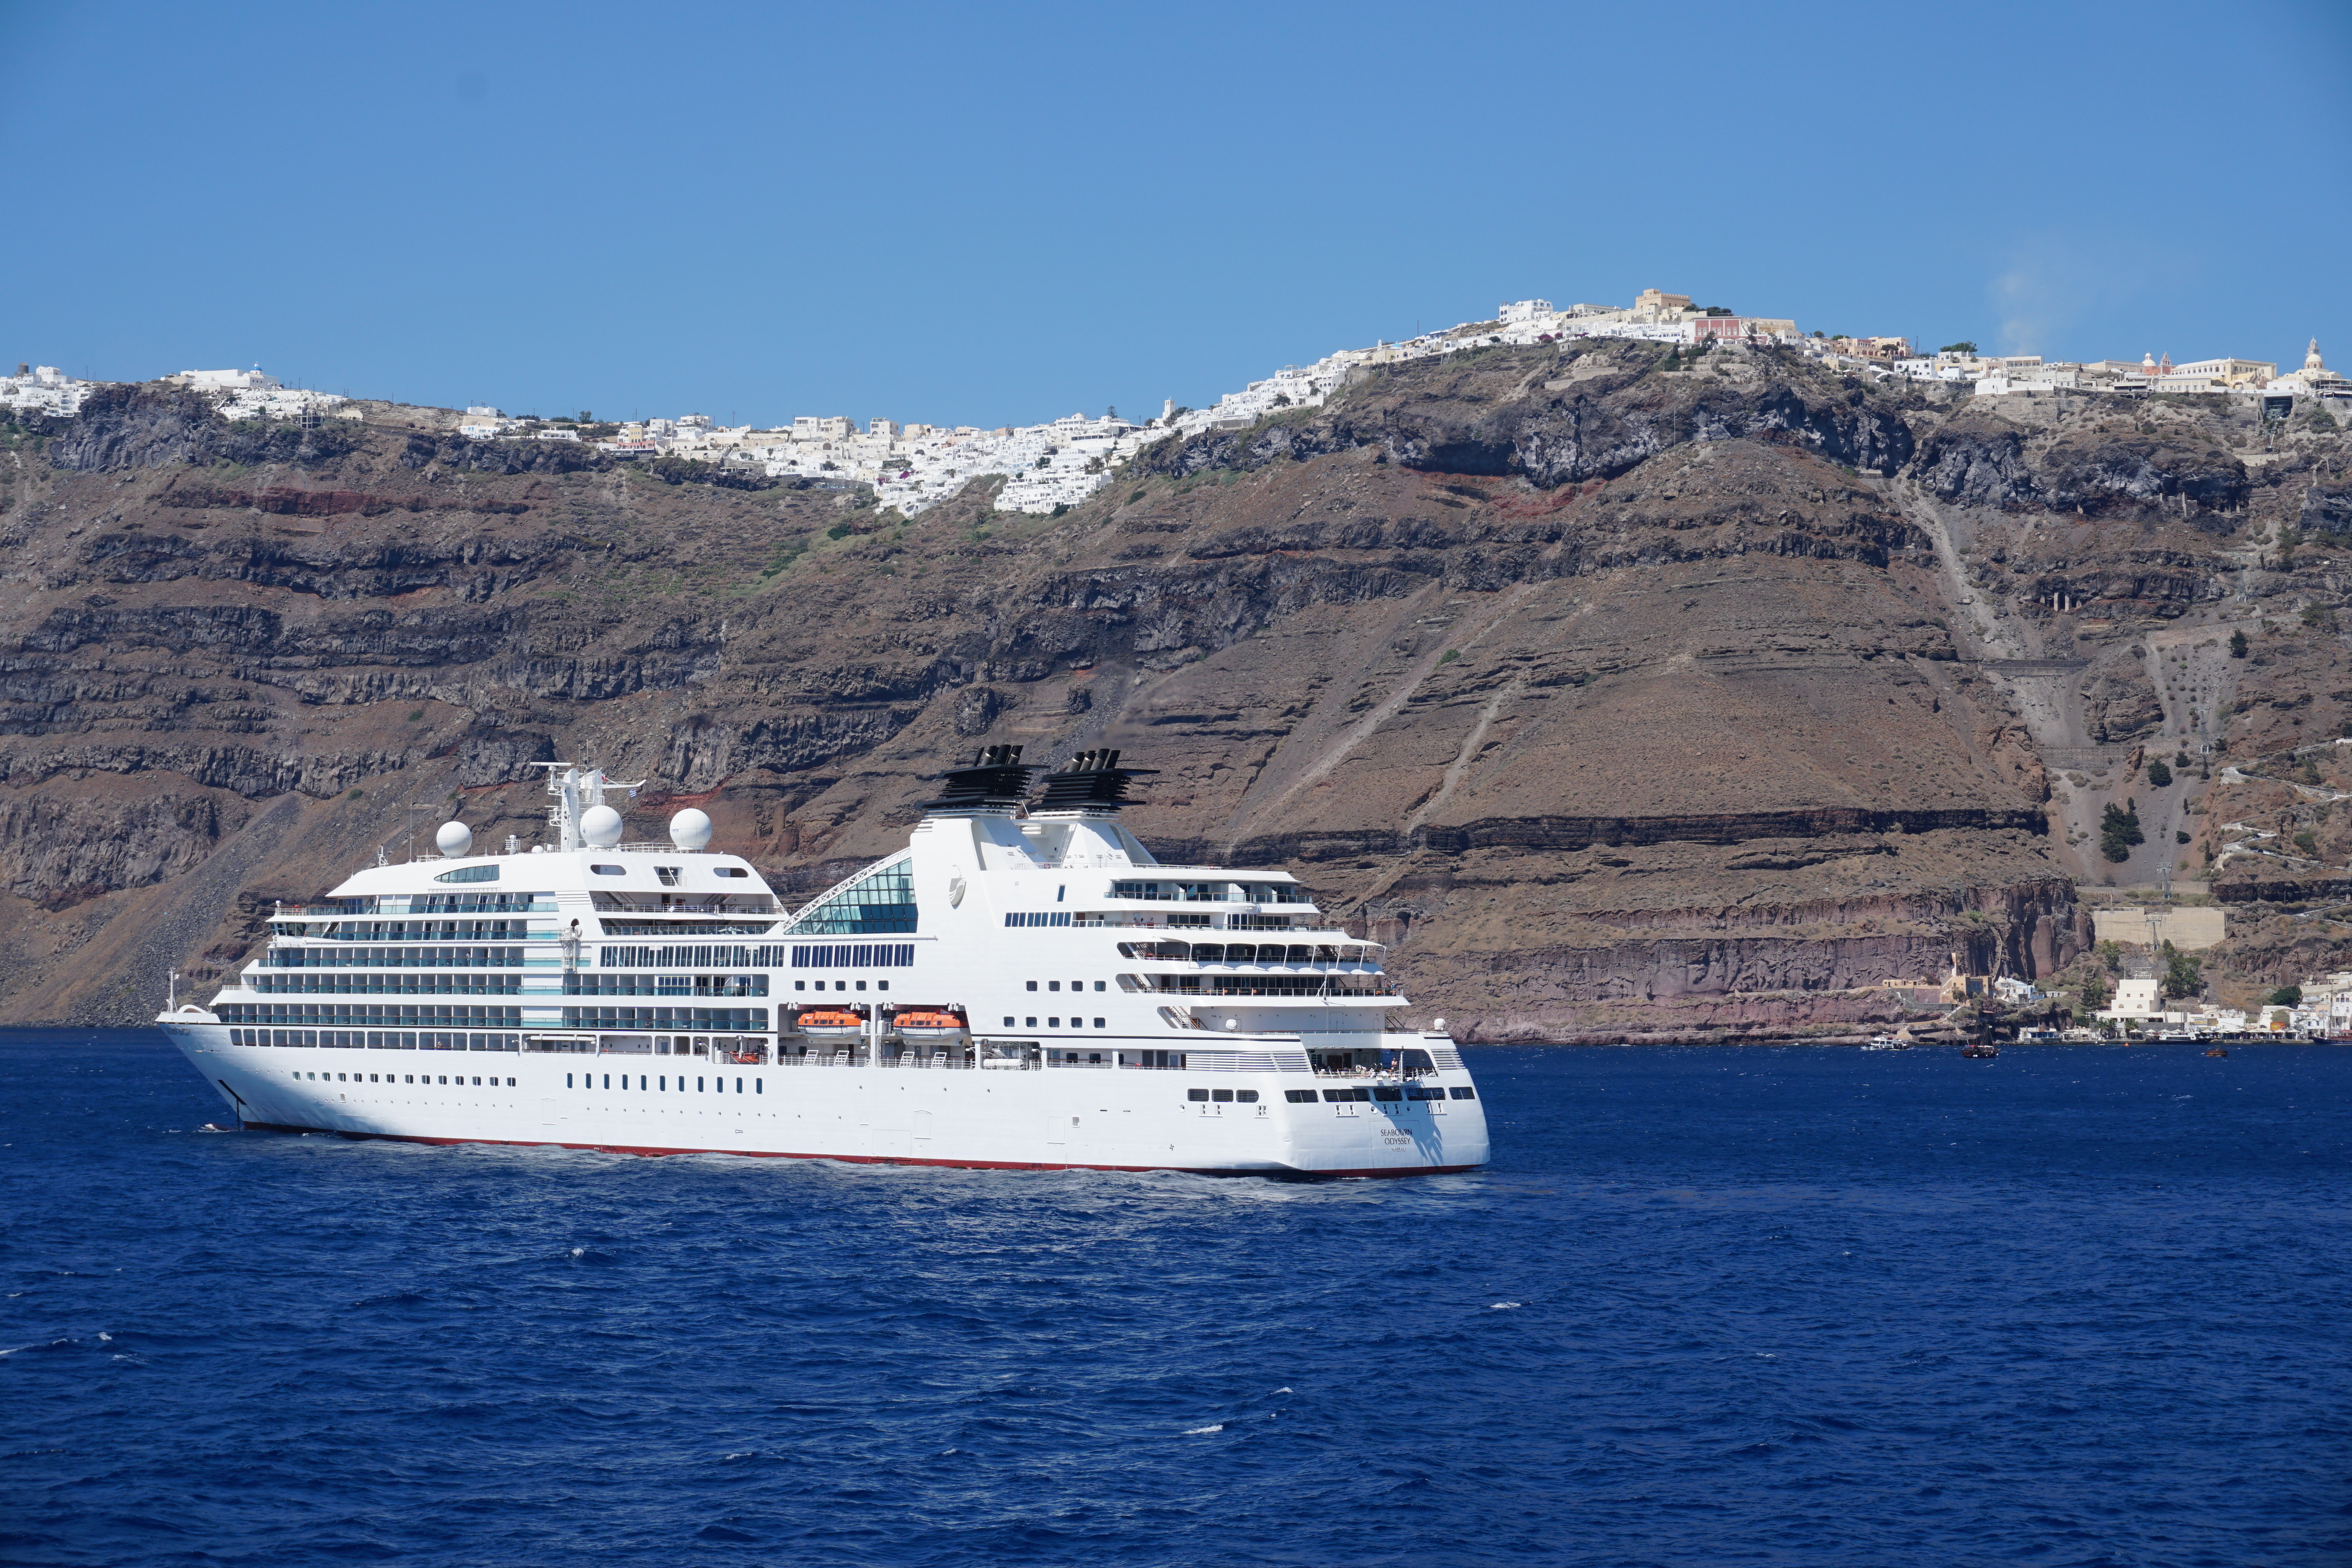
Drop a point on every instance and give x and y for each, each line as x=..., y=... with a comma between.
x=928, y=1023
x=831, y=1023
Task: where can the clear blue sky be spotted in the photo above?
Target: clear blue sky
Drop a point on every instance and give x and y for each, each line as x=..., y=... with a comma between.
x=998, y=214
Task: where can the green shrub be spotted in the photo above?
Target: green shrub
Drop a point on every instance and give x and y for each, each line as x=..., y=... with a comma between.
x=2158, y=774
x=2119, y=830
x=2181, y=975
x=2284, y=997
x=2237, y=645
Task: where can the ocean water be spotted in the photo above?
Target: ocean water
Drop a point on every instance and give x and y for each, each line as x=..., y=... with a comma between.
x=2075, y=1306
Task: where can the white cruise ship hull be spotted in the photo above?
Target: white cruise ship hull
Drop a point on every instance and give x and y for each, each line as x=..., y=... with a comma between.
x=1057, y=1118
x=1017, y=988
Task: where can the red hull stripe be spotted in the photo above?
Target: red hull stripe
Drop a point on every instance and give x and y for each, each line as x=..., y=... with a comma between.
x=854, y=1159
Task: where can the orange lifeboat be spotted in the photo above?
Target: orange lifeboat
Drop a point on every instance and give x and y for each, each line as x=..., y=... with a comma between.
x=928, y=1023
x=831, y=1023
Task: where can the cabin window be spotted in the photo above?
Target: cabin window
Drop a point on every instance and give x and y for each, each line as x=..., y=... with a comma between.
x=1032, y=985
x=1385, y=1093
x=1464, y=1093
x=1300, y=1096
x=667, y=875
x=1051, y=986
x=610, y=870
x=1101, y=986
x=1246, y=1096
x=1053, y=1023
x=1222, y=1096
x=1008, y=1021
x=1343, y=1096
x=1099, y=1024
x=800, y=984
x=1196, y=1094
x=732, y=871
x=1031, y=1024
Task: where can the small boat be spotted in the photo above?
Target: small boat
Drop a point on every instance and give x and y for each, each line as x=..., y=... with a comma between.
x=928, y=1023
x=1980, y=1050
x=2216, y=1050
x=1887, y=1042
x=831, y=1023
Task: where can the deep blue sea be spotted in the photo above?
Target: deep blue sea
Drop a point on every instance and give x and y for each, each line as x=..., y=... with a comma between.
x=1802, y=1306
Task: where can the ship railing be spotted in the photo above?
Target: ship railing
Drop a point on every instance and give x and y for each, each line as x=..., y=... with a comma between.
x=915, y=1060
x=1120, y=919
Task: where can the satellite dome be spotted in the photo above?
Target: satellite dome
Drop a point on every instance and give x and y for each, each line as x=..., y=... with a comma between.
x=689, y=830
x=601, y=826
x=454, y=839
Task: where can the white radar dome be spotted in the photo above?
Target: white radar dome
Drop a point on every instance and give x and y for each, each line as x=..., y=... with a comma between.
x=689, y=830
x=454, y=839
x=601, y=826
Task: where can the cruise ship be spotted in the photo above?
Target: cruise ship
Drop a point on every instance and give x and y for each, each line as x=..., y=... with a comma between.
x=1022, y=987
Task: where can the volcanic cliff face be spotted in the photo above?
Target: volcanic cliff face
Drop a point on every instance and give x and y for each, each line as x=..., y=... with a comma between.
x=1624, y=701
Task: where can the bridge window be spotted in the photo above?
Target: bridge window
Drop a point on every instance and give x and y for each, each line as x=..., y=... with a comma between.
x=880, y=903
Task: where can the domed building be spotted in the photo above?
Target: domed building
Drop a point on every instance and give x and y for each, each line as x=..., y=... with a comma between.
x=2314, y=380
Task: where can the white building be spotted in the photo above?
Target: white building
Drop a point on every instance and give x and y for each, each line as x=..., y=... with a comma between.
x=43, y=388
x=2135, y=1001
x=227, y=381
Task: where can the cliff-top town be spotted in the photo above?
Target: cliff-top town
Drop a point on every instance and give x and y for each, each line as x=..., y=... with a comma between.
x=913, y=466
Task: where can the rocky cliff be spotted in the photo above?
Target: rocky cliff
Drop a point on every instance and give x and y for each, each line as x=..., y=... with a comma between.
x=1625, y=701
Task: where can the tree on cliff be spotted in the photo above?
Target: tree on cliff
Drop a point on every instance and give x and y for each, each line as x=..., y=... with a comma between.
x=2237, y=645
x=2095, y=990
x=2119, y=830
x=2158, y=774
x=2182, y=974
